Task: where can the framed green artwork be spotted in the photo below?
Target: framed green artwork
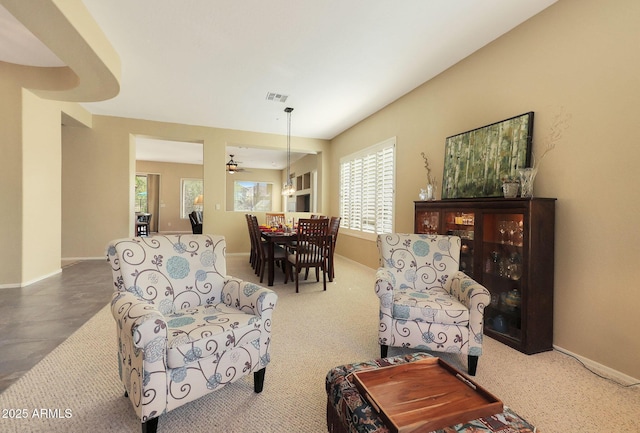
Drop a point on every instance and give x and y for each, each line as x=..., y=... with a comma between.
x=476, y=161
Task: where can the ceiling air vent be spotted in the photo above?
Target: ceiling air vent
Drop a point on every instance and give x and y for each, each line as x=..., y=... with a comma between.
x=276, y=97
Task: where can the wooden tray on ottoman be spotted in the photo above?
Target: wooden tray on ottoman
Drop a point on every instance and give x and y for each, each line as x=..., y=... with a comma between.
x=425, y=395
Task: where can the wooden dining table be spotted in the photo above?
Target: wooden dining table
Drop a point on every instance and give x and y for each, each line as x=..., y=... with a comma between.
x=272, y=238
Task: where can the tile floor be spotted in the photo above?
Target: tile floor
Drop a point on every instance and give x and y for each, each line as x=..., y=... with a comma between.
x=35, y=319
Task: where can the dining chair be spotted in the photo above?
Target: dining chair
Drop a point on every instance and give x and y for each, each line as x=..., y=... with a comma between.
x=311, y=250
x=253, y=254
x=334, y=227
x=275, y=219
x=195, y=217
x=279, y=253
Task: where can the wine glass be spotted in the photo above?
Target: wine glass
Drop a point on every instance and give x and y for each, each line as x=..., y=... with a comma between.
x=502, y=228
x=512, y=226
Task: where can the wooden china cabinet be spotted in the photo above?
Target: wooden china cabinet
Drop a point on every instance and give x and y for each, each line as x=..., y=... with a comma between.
x=507, y=246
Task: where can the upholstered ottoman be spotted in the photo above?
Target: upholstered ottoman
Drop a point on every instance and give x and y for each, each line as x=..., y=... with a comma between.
x=348, y=412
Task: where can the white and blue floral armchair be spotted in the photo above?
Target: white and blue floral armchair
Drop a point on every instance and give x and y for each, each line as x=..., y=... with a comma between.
x=184, y=327
x=426, y=303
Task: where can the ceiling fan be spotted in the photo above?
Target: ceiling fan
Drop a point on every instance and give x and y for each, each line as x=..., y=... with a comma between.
x=232, y=166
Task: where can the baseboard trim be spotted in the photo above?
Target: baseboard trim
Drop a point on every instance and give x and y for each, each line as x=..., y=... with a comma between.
x=80, y=259
x=598, y=368
x=28, y=283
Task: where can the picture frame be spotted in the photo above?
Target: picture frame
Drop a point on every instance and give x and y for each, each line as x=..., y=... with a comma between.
x=477, y=161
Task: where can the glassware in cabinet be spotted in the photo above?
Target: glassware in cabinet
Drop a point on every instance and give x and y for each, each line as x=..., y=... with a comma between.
x=502, y=255
x=462, y=224
x=427, y=222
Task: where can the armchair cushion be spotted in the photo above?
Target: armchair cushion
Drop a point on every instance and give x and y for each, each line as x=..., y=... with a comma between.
x=199, y=332
x=425, y=306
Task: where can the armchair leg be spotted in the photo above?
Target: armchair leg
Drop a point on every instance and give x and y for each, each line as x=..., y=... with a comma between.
x=258, y=380
x=150, y=425
x=473, y=364
x=384, y=350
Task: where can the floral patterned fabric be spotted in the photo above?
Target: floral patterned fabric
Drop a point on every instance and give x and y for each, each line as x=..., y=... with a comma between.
x=348, y=412
x=184, y=327
x=425, y=301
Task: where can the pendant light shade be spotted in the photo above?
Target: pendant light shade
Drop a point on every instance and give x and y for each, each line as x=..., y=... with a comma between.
x=288, y=188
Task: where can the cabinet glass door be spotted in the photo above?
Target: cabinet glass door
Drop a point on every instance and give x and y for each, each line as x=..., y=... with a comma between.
x=502, y=272
x=427, y=222
x=462, y=224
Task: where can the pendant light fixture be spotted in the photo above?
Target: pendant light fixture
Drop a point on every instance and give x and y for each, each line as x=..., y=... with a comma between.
x=232, y=166
x=288, y=188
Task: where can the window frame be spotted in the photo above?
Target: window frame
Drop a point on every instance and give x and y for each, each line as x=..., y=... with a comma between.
x=255, y=182
x=360, y=194
x=183, y=208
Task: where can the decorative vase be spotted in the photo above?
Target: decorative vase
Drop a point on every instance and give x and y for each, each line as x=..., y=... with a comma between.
x=510, y=189
x=527, y=176
x=427, y=193
x=500, y=324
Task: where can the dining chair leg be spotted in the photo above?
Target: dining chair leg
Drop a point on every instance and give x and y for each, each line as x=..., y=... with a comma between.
x=261, y=272
x=324, y=278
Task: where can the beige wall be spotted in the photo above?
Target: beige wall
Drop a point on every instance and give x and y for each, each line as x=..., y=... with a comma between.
x=10, y=176
x=41, y=187
x=171, y=175
x=579, y=56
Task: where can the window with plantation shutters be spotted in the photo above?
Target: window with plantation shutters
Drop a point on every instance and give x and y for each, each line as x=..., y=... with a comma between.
x=366, y=189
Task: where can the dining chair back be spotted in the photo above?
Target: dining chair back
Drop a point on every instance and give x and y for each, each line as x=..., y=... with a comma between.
x=334, y=227
x=253, y=254
x=275, y=219
x=312, y=249
x=279, y=253
x=195, y=217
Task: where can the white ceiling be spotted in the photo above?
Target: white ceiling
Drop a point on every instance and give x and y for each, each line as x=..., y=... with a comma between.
x=213, y=62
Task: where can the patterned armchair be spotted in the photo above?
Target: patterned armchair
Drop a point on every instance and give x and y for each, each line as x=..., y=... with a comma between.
x=426, y=303
x=184, y=327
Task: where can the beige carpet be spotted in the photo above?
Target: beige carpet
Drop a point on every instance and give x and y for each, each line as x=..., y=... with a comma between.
x=77, y=384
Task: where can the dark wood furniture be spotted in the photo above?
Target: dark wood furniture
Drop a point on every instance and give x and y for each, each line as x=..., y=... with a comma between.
x=312, y=250
x=278, y=254
x=273, y=239
x=348, y=410
x=507, y=246
x=424, y=396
